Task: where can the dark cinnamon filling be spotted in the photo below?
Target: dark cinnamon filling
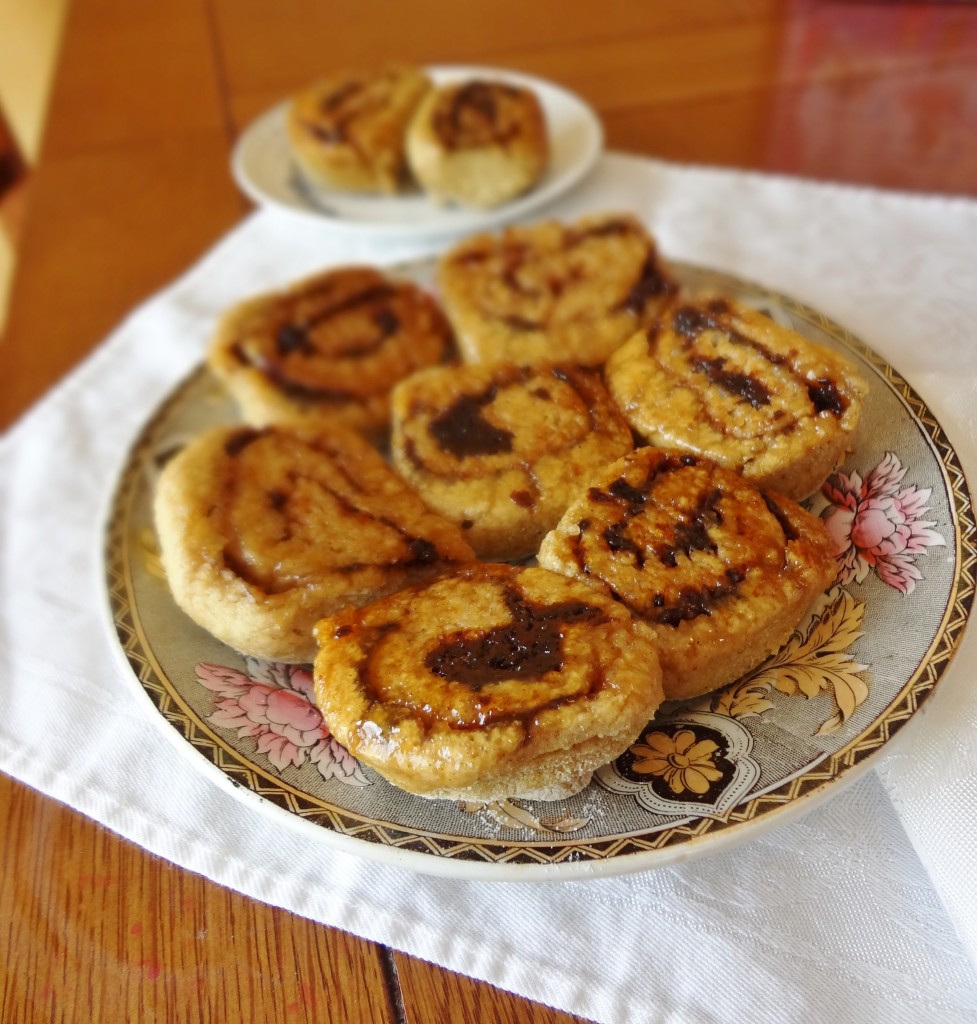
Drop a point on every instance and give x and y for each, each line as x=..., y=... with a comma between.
x=652, y=283
x=462, y=430
x=690, y=322
x=690, y=533
x=527, y=647
x=271, y=352
x=247, y=562
x=742, y=385
x=472, y=117
x=825, y=397
x=695, y=601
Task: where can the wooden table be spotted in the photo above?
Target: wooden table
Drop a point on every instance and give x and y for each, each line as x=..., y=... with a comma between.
x=133, y=186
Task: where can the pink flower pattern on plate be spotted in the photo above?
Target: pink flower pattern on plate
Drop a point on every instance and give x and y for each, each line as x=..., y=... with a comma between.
x=877, y=524
x=273, y=704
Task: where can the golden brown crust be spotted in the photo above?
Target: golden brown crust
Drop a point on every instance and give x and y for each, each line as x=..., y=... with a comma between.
x=348, y=130
x=720, y=570
x=478, y=142
x=262, y=532
x=552, y=292
x=491, y=683
x=501, y=449
x=330, y=347
x=723, y=380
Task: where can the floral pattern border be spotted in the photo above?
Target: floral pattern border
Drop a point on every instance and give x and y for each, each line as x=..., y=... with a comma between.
x=136, y=648
x=875, y=523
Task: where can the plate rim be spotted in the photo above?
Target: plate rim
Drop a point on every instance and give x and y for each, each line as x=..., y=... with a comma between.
x=849, y=763
x=468, y=220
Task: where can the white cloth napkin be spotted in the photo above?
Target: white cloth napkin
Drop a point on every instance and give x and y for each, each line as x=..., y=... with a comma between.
x=864, y=911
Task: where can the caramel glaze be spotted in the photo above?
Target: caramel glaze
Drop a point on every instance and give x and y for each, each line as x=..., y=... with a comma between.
x=778, y=513
x=241, y=480
x=314, y=324
x=652, y=283
x=462, y=430
x=691, y=532
x=690, y=322
x=340, y=109
x=527, y=647
x=487, y=662
x=473, y=116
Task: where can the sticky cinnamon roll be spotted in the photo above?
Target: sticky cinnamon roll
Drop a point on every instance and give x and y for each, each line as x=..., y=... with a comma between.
x=552, y=292
x=348, y=130
x=500, y=449
x=331, y=346
x=494, y=682
x=720, y=570
x=479, y=143
x=718, y=378
x=262, y=532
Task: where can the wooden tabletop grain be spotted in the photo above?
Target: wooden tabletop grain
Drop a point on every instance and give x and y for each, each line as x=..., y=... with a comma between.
x=133, y=186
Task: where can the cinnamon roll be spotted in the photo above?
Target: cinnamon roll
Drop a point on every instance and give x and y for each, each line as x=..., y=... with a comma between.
x=553, y=292
x=500, y=449
x=718, y=378
x=331, y=346
x=720, y=570
x=494, y=682
x=262, y=532
x=347, y=131
x=479, y=143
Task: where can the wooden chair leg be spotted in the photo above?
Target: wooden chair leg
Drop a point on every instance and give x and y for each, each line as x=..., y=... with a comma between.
x=12, y=166
x=13, y=190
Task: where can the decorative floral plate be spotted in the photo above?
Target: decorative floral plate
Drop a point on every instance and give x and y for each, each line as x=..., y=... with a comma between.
x=263, y=168
x=703, y=774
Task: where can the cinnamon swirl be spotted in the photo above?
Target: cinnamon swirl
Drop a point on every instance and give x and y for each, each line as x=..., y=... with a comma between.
x=718, y=378
x=720, y=570
x=553, y=292
x=479, y=143
x=347, y=131
x=500, y=449
x=331, y=346
x=262, y=532
x=491, y=683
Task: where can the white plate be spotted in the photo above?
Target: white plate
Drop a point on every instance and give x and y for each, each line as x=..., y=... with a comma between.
x=263, y=168
x=783, y=738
